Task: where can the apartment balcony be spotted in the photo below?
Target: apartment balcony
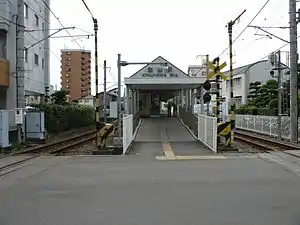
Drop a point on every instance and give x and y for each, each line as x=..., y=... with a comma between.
x=4, y=73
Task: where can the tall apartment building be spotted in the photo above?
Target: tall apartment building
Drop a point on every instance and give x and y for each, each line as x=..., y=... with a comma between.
x=76, y=72
x=24, y=61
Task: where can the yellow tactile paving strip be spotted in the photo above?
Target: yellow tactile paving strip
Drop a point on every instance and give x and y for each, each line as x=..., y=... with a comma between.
x=202, y=157
x=168, y=151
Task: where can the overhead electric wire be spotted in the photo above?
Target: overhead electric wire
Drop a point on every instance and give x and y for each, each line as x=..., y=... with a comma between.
x=43, y=45
x=250, y=43
x=260, y=10
x=47, y=21
x=88, y=9
x=48, y=7
x=277, y=49
x=85, y=31
x=110, y=73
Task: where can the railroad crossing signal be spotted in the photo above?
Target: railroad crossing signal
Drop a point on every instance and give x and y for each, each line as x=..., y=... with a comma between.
x=207, y=85
x=206, y=98
x=216, y=70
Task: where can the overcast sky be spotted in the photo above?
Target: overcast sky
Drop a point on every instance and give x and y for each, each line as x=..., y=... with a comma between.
x=178, y=30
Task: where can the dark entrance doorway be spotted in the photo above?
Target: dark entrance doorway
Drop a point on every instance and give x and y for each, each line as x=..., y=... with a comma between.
x=155, y=105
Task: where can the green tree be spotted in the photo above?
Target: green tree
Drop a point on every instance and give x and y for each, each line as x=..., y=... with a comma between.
x=254, y=91
x=267, y=93
x=59, y=97
x=261, y=97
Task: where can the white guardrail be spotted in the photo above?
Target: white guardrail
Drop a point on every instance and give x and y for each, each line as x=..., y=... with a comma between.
x=127, y=132
x=207, y=131
x=263, y=124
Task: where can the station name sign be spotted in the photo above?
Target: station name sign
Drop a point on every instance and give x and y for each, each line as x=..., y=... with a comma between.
x=159, y=75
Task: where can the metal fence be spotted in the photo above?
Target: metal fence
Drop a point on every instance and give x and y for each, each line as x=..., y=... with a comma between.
x=127, y=132
x=263, y=124
x=207, y=131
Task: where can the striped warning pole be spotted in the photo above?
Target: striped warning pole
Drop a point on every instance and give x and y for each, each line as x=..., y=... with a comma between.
x=231, y=99
x=232, y=105
x=97, y=102
x=218, y=97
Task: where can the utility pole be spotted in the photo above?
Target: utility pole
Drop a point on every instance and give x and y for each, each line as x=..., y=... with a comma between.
x=119, y=95
x=207, y=72
x=293, y=72
x=231, y=98
x=98, y=110
x=20, y=64
x=279, y=96
x=99, y=125
x=104, y=92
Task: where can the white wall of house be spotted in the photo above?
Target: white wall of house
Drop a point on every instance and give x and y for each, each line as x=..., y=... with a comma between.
x=36, y=17
x=242, y=78
x=88, y=100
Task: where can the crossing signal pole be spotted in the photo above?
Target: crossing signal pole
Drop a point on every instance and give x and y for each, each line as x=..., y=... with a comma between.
x=223, y=129
x=98, y=110
x=231, y=99
x=218, y=95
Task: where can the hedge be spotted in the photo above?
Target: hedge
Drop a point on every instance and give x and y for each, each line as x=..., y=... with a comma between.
x=59, y=118
x=256, y=111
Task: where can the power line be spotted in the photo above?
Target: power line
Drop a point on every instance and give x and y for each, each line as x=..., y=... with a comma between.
x=43, y=45
x=277, y=49
x=109, y=70
x=250, y=43
x=48, y=7
x=260, y=10
x=87, y=8
x=268, y=55
x=47, y=21
x=35, y=30
x=84, y=31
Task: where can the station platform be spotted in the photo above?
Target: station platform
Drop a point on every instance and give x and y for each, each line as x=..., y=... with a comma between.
x=166, y=136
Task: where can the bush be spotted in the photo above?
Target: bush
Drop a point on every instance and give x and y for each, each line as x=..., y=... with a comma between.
x=59, y=118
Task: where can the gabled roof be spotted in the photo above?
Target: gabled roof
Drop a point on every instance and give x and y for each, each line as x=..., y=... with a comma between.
x=159, y=57
x=108, y=92
x=243, y=69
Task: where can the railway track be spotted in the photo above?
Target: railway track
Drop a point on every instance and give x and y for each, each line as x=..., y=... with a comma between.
x=15, y=159
x=8, y=163
x=262, y=142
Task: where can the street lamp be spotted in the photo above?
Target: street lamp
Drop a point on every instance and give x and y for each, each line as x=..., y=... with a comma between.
x=121, y=63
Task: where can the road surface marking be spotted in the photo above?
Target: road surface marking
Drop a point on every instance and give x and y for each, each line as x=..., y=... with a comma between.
x=167, y=148
x=168, y=151
x=199, y=157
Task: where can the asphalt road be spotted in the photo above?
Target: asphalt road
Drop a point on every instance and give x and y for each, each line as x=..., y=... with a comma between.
x=133, y=190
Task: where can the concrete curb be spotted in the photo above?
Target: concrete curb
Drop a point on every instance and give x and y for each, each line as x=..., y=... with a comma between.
x=137, y=128
x=188, y=129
